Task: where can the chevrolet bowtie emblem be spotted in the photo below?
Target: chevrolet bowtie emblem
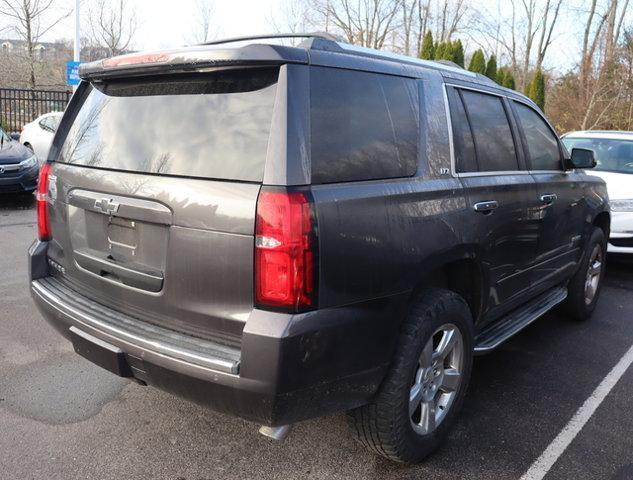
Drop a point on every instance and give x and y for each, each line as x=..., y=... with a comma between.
x=107, y=205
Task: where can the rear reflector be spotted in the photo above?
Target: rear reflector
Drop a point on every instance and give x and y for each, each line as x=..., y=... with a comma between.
x=285, y=250
x=43, y=224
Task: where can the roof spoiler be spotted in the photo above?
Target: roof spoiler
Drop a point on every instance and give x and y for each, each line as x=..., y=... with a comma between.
x=190, y=59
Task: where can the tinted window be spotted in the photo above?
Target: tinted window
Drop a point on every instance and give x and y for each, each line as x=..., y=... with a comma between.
x=491, y=130
x=465, y=157
x=364, y=126
x=541, y=142
x=611, y=155
x=214, y=126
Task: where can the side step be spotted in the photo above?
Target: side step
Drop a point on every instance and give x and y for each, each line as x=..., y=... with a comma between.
x=498, y=332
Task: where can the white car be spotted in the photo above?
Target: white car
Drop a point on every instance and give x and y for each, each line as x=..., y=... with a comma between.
x=38, y=135
x=613, y=152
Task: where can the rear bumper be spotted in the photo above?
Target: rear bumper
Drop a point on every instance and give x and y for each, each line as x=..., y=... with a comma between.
x=289, y=367
x=23, y=182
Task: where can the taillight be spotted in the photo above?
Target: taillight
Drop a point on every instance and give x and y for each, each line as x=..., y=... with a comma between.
x=285, y=250
x=43, y=224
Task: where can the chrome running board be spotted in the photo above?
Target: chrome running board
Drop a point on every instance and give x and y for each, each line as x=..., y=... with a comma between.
x=495, y=334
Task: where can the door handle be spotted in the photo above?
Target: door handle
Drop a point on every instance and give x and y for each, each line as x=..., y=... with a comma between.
x=485, y=207
x=548, y=198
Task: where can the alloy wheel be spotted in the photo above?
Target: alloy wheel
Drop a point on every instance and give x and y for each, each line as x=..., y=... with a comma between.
x=594, y=271
x=437, y=379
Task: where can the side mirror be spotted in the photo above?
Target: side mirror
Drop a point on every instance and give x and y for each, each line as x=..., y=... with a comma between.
x=582, y=158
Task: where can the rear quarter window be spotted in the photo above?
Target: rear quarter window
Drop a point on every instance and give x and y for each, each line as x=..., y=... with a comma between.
x=364, y=126
x=211, y=126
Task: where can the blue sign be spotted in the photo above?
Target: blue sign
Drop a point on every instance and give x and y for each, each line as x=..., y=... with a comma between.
x=72, y=73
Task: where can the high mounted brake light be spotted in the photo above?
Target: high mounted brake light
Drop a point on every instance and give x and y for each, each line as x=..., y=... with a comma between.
x=43, y=222
x=285, y=250
x=135, y=60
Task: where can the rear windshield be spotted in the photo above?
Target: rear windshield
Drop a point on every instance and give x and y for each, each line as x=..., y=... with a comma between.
x=212, y=126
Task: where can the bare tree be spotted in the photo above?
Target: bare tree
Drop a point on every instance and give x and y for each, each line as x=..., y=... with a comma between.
x=449, y=18
x=204, y=27
x=525, y=35
x=30, y=23
x=614, y=19
x=409, y=10
x=416, y=20
x=397, y=25
x=548, y=22
x=113, y=25
x=587, y=50
x=424, y=13
x=293, y=16
x=363, y=22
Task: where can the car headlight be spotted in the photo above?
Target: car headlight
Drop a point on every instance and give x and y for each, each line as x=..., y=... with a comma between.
x=28, y=163
x=622, y=205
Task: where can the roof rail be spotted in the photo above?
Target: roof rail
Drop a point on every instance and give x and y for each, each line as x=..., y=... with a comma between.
x=328, y=41
x=319, y=35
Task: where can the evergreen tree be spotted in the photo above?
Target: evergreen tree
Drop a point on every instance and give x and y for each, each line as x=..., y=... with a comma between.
x=427, y=51
x=440, y=51
x=448, y=52
x=477, y=62
x=491, y=68
x=508, y=80
x=536, y=89
x=501, y=75
x=528, y=88
x=458, y=53
x=505, y=78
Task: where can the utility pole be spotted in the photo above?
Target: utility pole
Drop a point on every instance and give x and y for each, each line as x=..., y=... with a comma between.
x=77, y=46
x=77, y=31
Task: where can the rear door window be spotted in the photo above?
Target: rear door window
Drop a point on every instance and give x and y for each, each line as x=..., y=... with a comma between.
x=541, y=142
x=364, y=126
x=212, y=126
x=494, y=143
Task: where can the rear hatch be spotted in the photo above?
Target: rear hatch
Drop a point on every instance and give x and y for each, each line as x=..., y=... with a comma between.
x=154, y=194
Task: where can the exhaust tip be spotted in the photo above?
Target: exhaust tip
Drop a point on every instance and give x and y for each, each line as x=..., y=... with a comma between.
x=278, y=434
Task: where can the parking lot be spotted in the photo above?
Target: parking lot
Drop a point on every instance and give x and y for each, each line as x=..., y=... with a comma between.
x=62, y=417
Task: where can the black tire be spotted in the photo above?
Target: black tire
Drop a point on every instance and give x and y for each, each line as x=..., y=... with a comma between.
x=575, y=305
x=385, y=425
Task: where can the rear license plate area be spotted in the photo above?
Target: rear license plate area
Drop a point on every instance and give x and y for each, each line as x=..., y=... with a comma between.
x=101, y=353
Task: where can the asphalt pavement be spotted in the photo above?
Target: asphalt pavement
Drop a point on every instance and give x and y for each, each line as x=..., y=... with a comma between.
x=63, y=418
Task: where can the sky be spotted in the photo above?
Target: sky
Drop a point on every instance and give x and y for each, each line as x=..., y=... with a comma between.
x=168, y=23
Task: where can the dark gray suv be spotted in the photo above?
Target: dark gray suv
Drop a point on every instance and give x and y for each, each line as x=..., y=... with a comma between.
x=286, y=232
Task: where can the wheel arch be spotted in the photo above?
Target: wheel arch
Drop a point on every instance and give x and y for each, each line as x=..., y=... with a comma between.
x=603, y=221
x=459, y=271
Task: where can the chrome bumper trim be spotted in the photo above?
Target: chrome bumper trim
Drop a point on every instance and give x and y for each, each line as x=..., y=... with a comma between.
x=135, y=332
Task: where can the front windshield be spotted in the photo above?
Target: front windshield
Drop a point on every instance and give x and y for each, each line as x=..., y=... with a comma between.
x=611, y=155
